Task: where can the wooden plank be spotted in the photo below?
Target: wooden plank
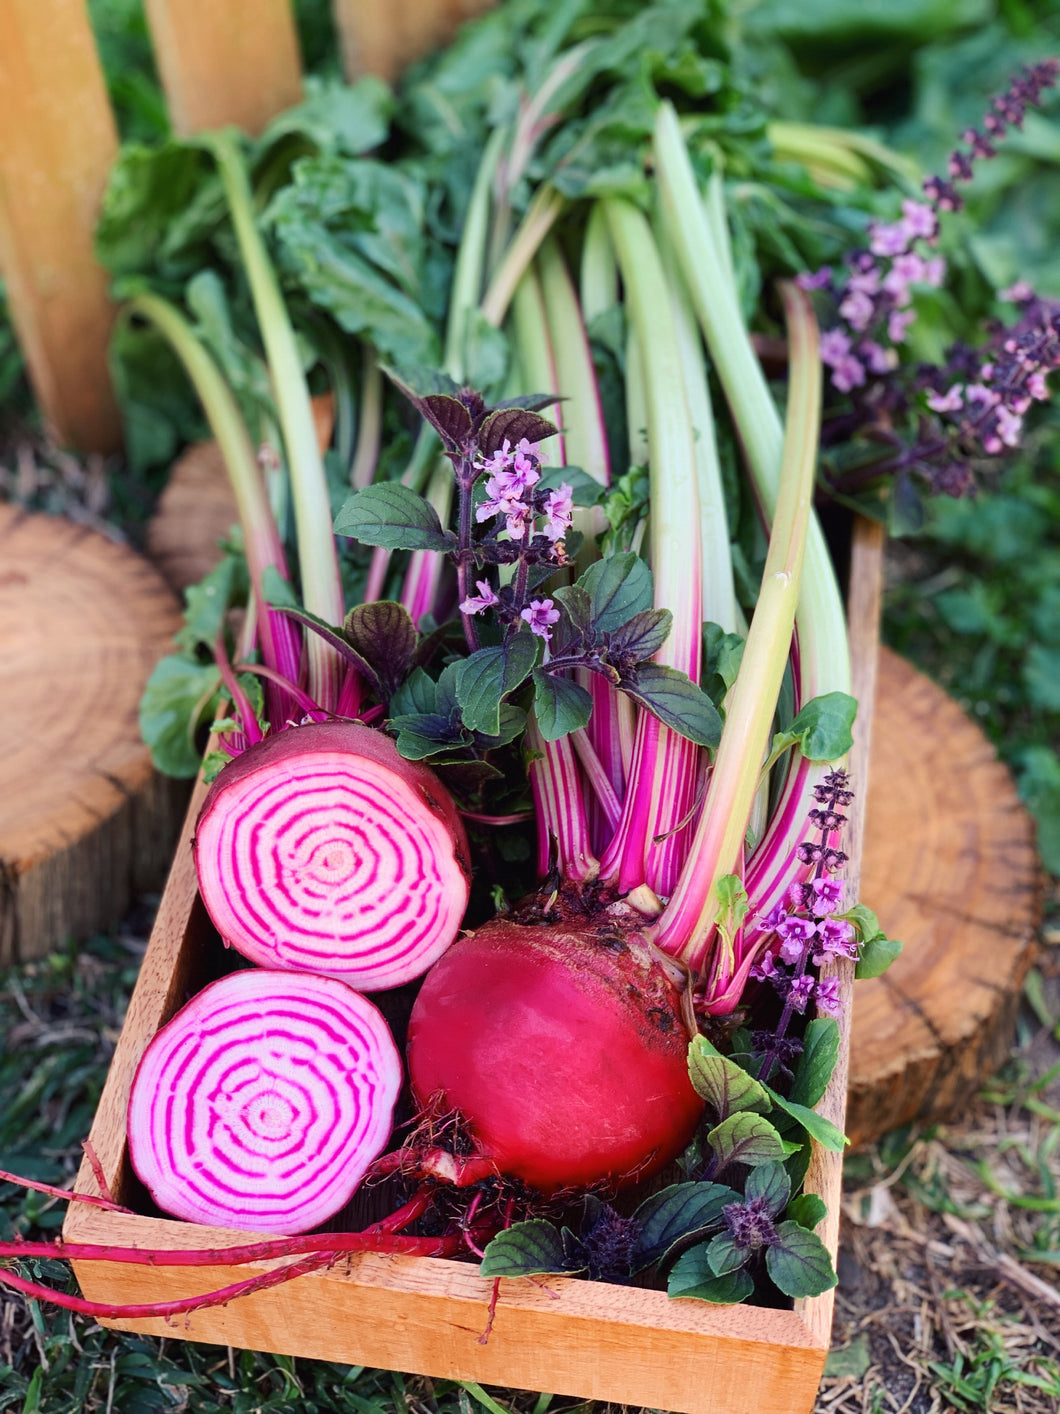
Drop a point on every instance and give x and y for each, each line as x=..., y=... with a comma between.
x=383, y=36
x=57, y=142
x=225, y=61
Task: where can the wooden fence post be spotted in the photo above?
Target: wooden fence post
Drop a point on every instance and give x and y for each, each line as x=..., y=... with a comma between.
x=383, y=36
x=225, y=61
x=57, y=142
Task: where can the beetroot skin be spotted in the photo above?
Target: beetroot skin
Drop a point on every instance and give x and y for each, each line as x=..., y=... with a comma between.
x=562, y=1048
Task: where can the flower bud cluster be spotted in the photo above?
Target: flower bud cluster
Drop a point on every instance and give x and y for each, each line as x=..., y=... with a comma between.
x=512, y=477
x=974, y=404
x=515, y=504
x=805, y=927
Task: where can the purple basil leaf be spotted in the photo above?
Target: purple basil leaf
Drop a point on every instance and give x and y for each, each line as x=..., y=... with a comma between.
x=385, y=636
x=512, y=425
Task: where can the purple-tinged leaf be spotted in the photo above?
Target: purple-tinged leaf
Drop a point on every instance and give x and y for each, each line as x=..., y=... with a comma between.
x=722, y=1083
x=641, y=636
x=674, y=1215
x=693, y=1277
x=561, y=705
x=798, y=1262
x=385, y=636
x=512, y=425
x=769, y=1182
x=677, y=702
x=745, y=1138
x=533, y=1248
x=395, y=517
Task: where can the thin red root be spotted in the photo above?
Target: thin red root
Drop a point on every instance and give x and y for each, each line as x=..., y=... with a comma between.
x=323, y=1249
x=492, y=1311
x=63, y=1193
x=97, y=1172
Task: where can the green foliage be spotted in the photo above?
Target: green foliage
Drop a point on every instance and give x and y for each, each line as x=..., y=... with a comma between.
x=981, y=613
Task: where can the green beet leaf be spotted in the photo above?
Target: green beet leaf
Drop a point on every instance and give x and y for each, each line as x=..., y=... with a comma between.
x=532, y=1248
x=207, y=603
x=876, y=956
x=722, y=1083
x=876, y=951
x=351, y=118
x=179, y=697
x=745, y=1138
x=561, y=706
x=798, y=1262
x=392, y=516
x=678, y=703
x=822, y=730
x=675, y=1214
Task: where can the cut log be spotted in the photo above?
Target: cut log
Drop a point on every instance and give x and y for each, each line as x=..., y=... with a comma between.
x=950, y=867
x=85, y=822
x=194, y=513
x=197, y=509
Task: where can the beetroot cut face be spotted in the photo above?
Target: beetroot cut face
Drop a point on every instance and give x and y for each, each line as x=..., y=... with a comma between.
x=262, y=1103
x=321, y=849
x=563, y=1050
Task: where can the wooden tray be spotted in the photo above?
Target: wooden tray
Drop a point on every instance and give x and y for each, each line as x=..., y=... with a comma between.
x=426, y=1315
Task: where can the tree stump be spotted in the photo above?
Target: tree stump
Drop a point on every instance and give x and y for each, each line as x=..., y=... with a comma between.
x=195, y=511
x=85, y=822
x=949, y=865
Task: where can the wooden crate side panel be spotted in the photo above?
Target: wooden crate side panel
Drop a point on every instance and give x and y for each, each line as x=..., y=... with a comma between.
x=57, y=142
x=225, y=61
x=585, y=1339
x=568, y=1337
x=825, y=1174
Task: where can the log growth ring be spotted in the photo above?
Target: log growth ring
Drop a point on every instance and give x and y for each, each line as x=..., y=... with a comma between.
x=85, y=822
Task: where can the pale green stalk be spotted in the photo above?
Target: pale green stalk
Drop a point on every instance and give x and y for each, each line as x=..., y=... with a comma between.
x=660, y=755
x=369, y=422
x=539, y=219
x=580, y=413
x=719, y=592
x=261, y=539
x=686, y=925
x=598, y=275
x=824, y=659
x=317, y=553
x=420, y=589
x=840, y=148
